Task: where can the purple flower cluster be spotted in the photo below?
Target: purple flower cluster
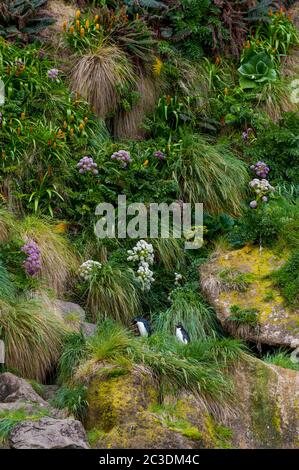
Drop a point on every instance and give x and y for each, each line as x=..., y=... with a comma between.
x=53, y=74
x=33, y=262
x=246, y=133
x=1, y=118
x=261, y=169
x=122, y=156
x=41, y=53
x=159, y=155
x=86, y=165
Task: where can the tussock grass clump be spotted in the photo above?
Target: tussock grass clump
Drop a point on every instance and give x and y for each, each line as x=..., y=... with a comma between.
x=188, y=308
x=72, y=399
x=201, y=369
x=57, y=256
x=210, y=174
x=112, y=292
x=281, y=359
x=127, y=123
x=99, y=78
x=33, y=337
x=74, y=350
x=170, y=252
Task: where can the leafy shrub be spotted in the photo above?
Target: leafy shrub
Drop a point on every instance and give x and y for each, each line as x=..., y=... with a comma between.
x=112, y=27
x=287, y=279
x=248, y=316
x=170, y=114
x=278, y=145
x=279, y=32
x=256, y=69
x=275, y=222
x=41, y=125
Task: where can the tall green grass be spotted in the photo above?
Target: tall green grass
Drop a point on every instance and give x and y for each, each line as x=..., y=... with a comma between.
x=282, y=359
x=189, y=308
x=170, y=252
x=74, y=350
x=200, y=367
x=57, y=256
x=112, y=292
x=73, y=399
x=32, y=335
x=210, y=174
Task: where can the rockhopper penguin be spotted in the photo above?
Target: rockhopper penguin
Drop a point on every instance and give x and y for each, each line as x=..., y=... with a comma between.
x=143, y=326
x=181, y=334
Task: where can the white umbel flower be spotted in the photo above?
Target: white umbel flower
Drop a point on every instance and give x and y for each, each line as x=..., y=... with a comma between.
x=145, y=275
x=88, y=268
x=142, y=252
x=261, y=186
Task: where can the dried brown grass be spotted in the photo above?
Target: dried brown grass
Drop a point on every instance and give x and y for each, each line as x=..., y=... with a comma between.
x=128, y=124
x=98, y=78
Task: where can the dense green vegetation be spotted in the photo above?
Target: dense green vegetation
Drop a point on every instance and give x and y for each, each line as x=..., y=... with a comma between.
x=181, y=102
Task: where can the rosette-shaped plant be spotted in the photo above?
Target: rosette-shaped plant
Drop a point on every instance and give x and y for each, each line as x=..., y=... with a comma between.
x=257, y=69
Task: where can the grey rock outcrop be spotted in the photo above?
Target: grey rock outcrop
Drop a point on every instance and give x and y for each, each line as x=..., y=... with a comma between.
x=48, y=433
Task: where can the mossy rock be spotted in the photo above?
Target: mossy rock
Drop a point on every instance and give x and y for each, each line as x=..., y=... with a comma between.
x=120, y=416
x=278, y=324
x=114, y=399
x=125, y=412
x=144, y=431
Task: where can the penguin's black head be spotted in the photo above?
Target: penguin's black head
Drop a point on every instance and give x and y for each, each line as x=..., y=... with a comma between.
x=137, y=319
x=179, y=325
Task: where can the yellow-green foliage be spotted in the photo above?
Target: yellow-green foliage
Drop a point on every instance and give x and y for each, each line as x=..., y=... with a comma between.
x=170, y=417
x=219, y=436
x=114, y=399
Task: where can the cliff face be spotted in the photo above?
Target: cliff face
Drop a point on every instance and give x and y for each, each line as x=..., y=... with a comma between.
x=124, y=412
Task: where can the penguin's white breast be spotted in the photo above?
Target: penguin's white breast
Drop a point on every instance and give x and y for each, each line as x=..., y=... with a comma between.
x=179, y=335
x=142, y=329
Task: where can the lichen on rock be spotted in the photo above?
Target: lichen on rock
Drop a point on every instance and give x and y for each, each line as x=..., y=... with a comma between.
x=278, y=324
